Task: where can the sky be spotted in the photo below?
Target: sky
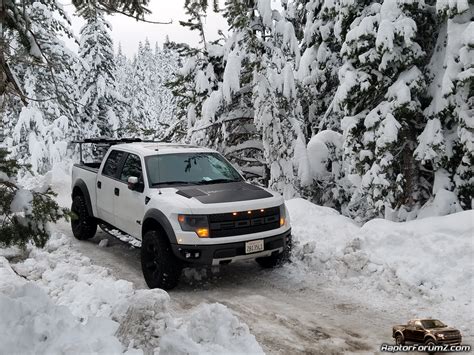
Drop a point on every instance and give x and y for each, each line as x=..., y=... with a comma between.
x=128, y=32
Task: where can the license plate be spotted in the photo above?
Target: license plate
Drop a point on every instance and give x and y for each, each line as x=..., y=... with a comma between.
x=254, y=246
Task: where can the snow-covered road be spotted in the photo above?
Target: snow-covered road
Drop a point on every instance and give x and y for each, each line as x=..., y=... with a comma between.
x=345, y=289
x=285, y=312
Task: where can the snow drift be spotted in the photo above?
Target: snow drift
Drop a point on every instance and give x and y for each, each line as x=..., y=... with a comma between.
x=64, y=303
x=431, y=257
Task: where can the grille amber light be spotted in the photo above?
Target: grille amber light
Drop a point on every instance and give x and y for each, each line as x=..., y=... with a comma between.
x=202, y=232
x=262, y=210
x=234, y=214
x=249, y=212
x=282, y=221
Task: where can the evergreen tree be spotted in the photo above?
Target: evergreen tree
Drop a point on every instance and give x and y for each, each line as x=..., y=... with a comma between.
x=318, y=70
x=380, y=90
x=101, y=105
x=278, y=114
x=446, y=145
x=198, y=77
x=38, y=133
x=24, y=214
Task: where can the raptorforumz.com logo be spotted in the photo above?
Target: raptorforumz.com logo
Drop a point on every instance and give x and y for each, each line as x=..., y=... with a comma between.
x=425, y=335
x=432, y=348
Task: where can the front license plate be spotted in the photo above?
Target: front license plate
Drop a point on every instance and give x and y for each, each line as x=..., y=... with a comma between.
x=254, y=246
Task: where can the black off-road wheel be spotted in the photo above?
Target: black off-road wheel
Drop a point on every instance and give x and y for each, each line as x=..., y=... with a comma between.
x=430, y=342
x=275, y=260
x=399, y=339
x=84, y=226
x=161, y=269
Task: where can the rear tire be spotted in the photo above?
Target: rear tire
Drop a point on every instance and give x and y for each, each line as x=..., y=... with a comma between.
x=399, y=340
x=84, y=226
x=161, y=269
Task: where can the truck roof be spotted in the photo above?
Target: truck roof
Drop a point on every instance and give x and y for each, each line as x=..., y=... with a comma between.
x=151, y=148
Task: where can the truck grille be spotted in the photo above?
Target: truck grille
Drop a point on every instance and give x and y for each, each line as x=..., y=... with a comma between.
x=243, y=222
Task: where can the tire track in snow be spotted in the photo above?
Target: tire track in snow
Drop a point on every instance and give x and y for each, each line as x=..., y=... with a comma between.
x=286, y=315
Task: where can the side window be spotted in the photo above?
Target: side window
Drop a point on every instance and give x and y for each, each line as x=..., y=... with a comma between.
x=112, y=163
x=131, y=167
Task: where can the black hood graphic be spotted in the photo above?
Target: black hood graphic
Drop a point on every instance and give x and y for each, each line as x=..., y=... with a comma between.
x=226, y=192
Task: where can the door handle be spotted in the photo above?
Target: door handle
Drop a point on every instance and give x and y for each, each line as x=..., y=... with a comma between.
x=116, y=191
x=99, y=184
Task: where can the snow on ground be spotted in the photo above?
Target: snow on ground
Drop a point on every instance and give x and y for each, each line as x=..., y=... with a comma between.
x=430, y=258
x=342, y=275
x=64, y=303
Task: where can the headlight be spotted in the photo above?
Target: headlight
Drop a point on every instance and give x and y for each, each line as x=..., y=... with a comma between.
x=194, y=223
x=441, y=336
x=282, y=215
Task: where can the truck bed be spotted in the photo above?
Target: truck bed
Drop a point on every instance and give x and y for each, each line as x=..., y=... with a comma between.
x=87, y=174
x=94, y=167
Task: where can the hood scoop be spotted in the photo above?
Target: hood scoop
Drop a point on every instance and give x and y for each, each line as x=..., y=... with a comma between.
x=227, y=192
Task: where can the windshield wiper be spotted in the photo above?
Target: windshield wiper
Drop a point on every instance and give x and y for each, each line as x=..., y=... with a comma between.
x=217, y=181
x=171, y=183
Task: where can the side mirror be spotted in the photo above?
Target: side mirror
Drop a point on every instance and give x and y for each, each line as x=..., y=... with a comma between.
x=133, y=183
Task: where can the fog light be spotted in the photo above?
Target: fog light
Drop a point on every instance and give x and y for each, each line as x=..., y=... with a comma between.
x=202, y=232
x=187, y=255
x=196, y=255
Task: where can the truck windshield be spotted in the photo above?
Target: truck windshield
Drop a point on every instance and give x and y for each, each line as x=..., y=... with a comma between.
x=189, y=169
x=432, y=323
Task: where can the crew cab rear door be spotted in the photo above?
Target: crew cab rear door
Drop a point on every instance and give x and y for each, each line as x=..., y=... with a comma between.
x=129, y=205
x=107, y=185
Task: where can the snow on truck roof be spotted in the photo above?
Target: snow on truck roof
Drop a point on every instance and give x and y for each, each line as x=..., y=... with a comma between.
x=150, y=148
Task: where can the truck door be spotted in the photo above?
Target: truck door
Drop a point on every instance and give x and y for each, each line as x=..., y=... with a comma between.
x=408, y=333
x=419, y=332
x=129, y=205
x=106, y=187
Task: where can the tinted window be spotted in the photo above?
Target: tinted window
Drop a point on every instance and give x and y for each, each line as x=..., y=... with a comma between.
x=190, y=168
x=112, y=163
x=131, y=167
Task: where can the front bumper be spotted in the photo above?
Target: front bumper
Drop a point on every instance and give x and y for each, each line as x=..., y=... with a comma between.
x=217, y=254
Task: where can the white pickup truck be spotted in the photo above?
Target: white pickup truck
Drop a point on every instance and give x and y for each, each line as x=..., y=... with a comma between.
x=187, y=205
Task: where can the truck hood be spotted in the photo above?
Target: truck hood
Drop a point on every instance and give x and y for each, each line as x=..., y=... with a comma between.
x=222, y=193
x=442, y=330
x=222, y=198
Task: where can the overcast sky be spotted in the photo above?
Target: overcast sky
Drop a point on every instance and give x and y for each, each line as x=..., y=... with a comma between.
x=129, y=32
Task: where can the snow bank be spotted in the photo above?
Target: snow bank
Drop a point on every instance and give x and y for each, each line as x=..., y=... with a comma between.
x=70, y=305
x=432, y=257
x=211, y=329
x=32, y=323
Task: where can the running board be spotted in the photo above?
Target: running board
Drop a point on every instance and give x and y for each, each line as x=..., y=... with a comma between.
x=124, y=237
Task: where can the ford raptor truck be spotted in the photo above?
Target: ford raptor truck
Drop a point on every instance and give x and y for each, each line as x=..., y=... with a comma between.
x=426, y=331
x=186, y=204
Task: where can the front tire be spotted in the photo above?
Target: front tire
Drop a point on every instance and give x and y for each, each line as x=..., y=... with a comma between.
x=84, y=226
x=161, y=269
x=430, y=342
x=274, y=260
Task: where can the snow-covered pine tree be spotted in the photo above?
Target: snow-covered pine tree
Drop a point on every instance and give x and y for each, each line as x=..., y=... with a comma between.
x=198, y=77
x=24, y=214
x=40, y=131
x=278, y=114
x=317, y=74
x=123, y=74
x=379, y=94
x=102, y=107
x=228, y=116
x=446, y=145
x=165, y=64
